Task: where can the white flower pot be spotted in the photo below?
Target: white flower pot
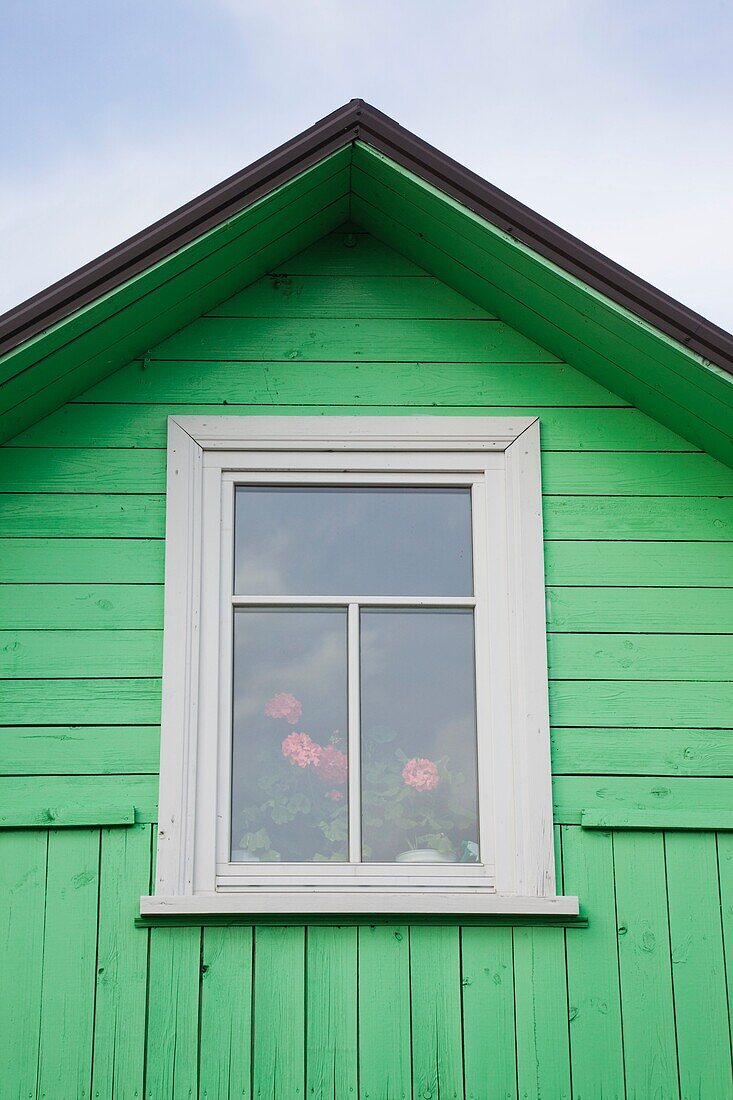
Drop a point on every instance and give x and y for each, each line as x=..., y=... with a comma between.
x=423, y=855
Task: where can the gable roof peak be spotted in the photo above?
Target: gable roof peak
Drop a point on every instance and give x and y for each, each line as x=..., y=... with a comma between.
x=358, y=120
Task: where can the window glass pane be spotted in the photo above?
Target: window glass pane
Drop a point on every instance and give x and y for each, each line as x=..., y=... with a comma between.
x=289, y=760
x=418, y=731
x=353, y=541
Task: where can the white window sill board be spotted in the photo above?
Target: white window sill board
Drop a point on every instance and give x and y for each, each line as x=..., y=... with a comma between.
x=324, y=901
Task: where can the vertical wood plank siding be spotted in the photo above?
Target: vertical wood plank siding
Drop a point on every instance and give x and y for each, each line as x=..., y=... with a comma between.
x=640, y=615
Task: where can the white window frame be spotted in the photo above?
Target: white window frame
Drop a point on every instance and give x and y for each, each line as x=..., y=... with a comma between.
x=499, y=459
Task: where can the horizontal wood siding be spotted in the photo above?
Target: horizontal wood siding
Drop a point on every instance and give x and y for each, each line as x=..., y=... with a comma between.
x=639, y=559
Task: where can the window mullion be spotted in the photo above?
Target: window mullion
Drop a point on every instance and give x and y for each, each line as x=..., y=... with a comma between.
x=354, y=735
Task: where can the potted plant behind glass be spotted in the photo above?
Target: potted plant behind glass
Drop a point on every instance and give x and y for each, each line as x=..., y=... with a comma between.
x=294, y=779
x=416, y=810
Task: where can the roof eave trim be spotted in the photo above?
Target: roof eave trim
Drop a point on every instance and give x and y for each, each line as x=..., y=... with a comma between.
x=358, y=120
x=558, y=246
x=172, y=232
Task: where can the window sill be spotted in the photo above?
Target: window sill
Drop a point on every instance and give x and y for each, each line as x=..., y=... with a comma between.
x=336, y=902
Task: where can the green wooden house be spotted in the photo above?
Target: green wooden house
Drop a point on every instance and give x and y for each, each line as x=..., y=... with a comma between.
x=366, y=606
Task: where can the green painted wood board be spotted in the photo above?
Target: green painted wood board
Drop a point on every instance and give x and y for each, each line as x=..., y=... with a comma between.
x=23, y=866
x=380, y=296
x=225, y=1033
x=331, y=964
x=435, y=998
x=77, y=799
x=279, y=1016
x=74, y=515
x=344, y=253
x=79, y=750
x=319, y=382
x=542, y=1033
x=625, y=565
x=84, y=423
x=575, y=794
x=67, y=653
x=107, y=606
x=69, y=962
x=639, y=656
x=596, y=1041
x=384, y=340
x=171, y=1068
x=72, y=470
x=668, y=610
x=93, y=702
x=604, y=751
x=644, y=518
x=67, y=817
x=698, y=965
x=687, y=820
x=640, y=703
x=650, y=1048
x=725, y=880
x=385, y=1056
x=122, y=965
x=487, y=977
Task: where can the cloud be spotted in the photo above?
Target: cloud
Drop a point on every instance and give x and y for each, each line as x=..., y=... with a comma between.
x=610, y=118
x=53, y=221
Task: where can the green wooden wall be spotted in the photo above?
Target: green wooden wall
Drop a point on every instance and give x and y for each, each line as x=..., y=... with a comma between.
x=639, y=563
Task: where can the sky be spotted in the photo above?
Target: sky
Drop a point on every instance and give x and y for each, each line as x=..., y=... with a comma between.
x=614, y=119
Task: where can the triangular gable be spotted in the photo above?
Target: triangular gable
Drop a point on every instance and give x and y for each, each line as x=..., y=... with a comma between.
x=359, y=164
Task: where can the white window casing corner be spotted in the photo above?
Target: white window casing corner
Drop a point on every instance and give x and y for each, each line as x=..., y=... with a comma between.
x=498, y=460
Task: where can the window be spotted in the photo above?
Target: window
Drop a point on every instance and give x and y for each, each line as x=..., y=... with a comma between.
x=355, y=682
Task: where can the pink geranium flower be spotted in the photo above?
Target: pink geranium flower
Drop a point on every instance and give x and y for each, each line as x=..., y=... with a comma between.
x=421, y=773
x=332, y=765
x=284, y=705
x=335, y=796
x=301, y=750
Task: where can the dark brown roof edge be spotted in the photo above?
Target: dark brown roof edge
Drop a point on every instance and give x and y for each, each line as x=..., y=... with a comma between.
x=358, y=119
x=546, y=238
x=170, y=233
